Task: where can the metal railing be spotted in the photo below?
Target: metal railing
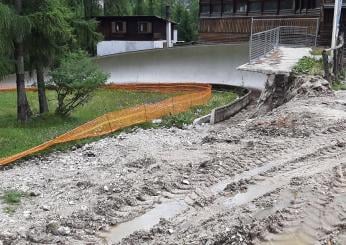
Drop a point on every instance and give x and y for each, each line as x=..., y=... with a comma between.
x=263, y=43
x=268, y=34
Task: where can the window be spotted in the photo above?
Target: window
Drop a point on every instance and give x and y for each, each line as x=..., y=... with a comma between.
x=286, y=4
x=144, y=27
x=205, y=9
x=228, y=8
x=271, y=5
x=119, y=27
x=255, y=6
x=241, y=6
x=216, y=9
x=304, y=4
x=314, y=4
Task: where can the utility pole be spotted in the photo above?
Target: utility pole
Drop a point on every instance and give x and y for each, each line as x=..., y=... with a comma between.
x=336, y=22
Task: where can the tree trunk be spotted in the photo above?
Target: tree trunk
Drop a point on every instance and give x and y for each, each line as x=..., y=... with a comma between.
x=42, y=98
x=23, y=109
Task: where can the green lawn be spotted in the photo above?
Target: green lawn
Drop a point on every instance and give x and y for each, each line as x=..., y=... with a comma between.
x=15, y=137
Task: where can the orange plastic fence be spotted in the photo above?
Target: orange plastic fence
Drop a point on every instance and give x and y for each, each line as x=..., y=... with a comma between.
x=192, y=95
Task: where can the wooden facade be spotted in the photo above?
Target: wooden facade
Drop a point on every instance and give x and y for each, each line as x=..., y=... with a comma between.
x=226, y=21
x=133, y=28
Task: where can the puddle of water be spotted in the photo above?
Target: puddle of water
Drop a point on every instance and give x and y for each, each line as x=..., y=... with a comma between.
x=145, y=222
x=297, y=238
x=255, y=191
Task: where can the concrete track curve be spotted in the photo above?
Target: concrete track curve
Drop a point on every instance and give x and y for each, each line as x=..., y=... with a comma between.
x=203, y=64
x=214, y=64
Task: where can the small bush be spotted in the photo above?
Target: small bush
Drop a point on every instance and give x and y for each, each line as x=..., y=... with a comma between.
x=339, y=86
x=309, y=65
x=74, y=81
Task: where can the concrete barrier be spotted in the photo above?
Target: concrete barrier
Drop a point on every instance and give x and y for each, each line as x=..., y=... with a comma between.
x=223, y=113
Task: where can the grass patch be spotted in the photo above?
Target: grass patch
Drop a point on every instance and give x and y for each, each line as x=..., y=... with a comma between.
x=339, y=86
x=309, y=66
x=182, y=119
x=15, y=137
x=12, y=198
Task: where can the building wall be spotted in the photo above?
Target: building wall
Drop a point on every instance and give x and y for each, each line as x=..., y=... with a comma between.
x=116, y=47
x=229, y=21
x=131, y=34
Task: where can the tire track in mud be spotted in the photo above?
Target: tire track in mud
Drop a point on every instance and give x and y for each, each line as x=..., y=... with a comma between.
x=315, y=216
x=207, y=202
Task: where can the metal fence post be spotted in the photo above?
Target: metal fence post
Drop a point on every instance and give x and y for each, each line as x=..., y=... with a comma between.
x=317, y=28
x=265, y=43
x=250, y=44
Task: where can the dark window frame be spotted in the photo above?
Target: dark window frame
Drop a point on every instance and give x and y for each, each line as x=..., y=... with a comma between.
x=208, y=6
x=114, y=27
x=239, y=3
x=260, y=2
x=149, y=25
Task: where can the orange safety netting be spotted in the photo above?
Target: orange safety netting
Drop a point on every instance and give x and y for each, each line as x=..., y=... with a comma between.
x=192, y=95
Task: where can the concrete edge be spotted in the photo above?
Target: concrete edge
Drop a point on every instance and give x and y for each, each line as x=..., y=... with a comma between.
x=225, y=112
x=222, y=113
x=201, y=120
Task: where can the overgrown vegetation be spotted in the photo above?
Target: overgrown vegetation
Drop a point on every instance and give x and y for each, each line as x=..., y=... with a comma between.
x=185, y=118
x=312, y=66
x=309, y=66
x=16, y=137
x=338, y=85
x=11, y=199
x=74, y=81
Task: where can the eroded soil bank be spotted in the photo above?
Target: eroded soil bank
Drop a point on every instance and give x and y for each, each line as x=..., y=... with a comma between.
x=277, y=178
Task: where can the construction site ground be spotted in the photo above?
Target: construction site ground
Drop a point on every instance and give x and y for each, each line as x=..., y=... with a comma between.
x=273, y=179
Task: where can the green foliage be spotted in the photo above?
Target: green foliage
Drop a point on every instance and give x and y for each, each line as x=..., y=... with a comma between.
x=337, y=85
x=75, y=80
x=186, y=15
x=118, y=8
x=309, y=65
x=51, y=32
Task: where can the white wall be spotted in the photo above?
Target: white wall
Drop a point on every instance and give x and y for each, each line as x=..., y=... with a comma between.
x=175, y=36
x=206, y=64
x=116, y=47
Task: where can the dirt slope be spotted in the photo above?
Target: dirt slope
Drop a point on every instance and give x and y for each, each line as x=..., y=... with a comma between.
x=273, y=179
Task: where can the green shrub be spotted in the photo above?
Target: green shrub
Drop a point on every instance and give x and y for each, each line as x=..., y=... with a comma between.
x=74, y=81
x=309, y=65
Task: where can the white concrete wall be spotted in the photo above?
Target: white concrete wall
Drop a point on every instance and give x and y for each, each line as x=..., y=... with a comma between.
x=116, y=47
x=175, y=36
x=206, y=64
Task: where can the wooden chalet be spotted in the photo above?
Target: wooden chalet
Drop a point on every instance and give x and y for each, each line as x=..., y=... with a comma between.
x=133, y=28
x=133, y=33
x=224, y=21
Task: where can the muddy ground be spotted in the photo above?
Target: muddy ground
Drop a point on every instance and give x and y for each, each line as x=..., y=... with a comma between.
x=273, y=179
